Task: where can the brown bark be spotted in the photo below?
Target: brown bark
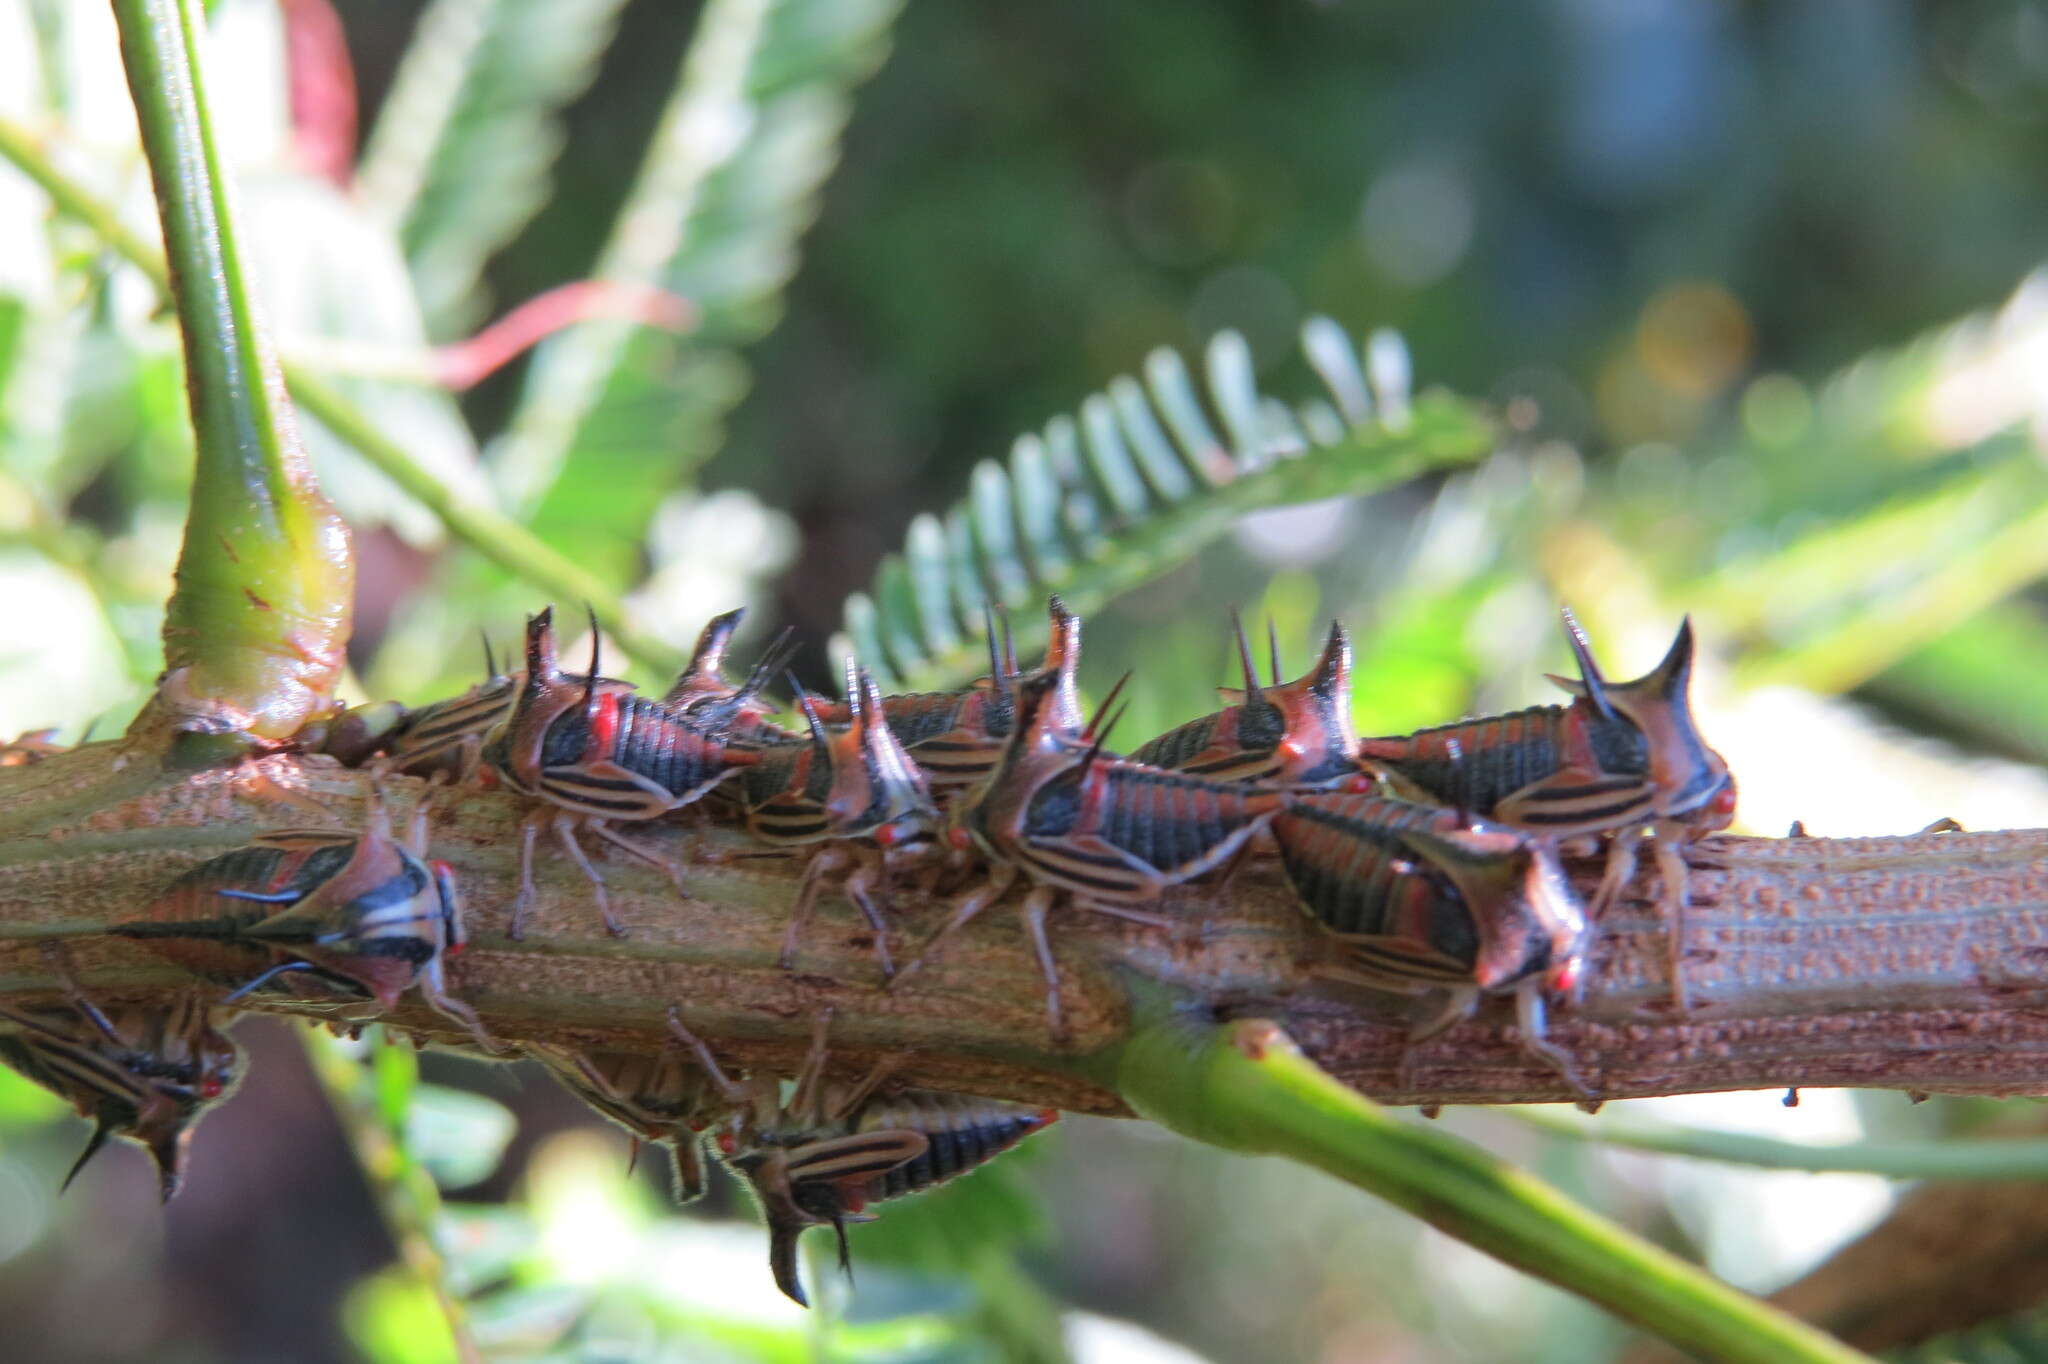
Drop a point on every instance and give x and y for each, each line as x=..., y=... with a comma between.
x=1909, y=963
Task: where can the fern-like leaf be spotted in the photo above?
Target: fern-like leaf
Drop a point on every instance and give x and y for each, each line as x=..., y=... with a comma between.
x=460, y=158
x=1138, y=483
x=727, y=187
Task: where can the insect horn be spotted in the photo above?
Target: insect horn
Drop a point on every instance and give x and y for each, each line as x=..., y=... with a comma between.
x=1063, y=644
x=102, y=1129
x=1009, y=641
x=490, y=659
x=821, y=743
x=1591, y=684
x=166, y=1146
x=1332, y=673
x=540, y=651
x=590, y=682
x=1244, y=660
x=995, y=653
x=1671, y=678
x=1095, y=725
x=1273, y=648
x=782, y=1239
x=845, y=1251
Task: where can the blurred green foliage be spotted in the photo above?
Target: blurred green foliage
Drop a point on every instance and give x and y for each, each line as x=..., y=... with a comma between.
x=1717, y=276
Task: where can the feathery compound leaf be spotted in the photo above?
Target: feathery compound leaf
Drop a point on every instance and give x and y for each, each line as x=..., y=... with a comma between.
x=461, y=155
x=1094, y=508
x=726, y=188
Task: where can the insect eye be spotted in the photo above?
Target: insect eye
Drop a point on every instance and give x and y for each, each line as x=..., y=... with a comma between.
x=888, y=835
x=959, y=839
x=726, y=1143
x=211, y=1087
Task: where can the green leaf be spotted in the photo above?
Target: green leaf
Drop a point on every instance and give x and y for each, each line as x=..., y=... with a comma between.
x=458, y=1136
x=727, y=186
x=462, y=154
x=255, y=628
x=336, y=285
x=395, y=1319
x=1246, y=1087
x=1134, y=489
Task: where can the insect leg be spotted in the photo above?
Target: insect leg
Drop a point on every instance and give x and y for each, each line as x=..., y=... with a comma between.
x=1001, y=876
x=1673, y=899
x=529, y=831
x=1037, y=905
x=634, y=848
x=733, y=1091
x=565, y=830
x=1529, y=1017
x=823, y=862
x=866, y=889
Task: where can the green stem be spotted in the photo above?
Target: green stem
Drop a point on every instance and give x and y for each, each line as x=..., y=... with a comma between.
x=257, y=623
x=1246, y=1086
x=404, y=1193
x=2013, y=1158
x=497, y=537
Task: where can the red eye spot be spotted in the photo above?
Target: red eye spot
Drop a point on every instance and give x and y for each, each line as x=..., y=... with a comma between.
x=1565, y=979
x=888, y=835
x=210, y=1087
x=1724, y=804
x=726, y=1143
x=454, y=950
x=487, y=778
x=1360, y=785
x=959, y=839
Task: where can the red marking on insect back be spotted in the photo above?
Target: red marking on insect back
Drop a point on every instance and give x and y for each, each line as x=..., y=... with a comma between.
x=604, y=723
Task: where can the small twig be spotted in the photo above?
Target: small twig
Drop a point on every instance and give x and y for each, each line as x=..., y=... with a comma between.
x=405, y=1194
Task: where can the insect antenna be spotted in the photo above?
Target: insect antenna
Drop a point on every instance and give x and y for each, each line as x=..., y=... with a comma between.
x=774, y=660
x=1273, y=648
x=490, y=659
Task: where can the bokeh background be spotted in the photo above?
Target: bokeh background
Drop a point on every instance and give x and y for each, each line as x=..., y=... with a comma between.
x=1747, y=288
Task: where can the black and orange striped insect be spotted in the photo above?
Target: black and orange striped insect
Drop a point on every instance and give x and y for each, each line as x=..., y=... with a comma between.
x=1622, y=759
x=830, y=1151
x=1295, y=733
x=1108, y=833
x=336, y=915
x=1423, y=901
x=144, y=1073
x=591, y=756
x=957, y=737
x=855, y=793
x=660, y=1097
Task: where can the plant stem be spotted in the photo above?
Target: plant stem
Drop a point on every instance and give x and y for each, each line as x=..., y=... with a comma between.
x=2012, y=1158
x=497, y=537
x=259, y=617
x=403, y=1192
x=1246, y=1086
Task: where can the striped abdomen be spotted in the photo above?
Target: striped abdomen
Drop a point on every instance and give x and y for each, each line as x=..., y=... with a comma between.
x=1353, y=874
x=432, y=738
x=961, y=1132
x=666, y=762
x=1476, y=764
x=1240, y=743
x=783, y=794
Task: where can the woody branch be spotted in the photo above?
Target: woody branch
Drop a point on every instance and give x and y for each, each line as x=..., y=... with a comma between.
x=1914, y=963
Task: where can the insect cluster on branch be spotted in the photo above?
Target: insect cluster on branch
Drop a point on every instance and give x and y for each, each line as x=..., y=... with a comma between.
x=1430, y=864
